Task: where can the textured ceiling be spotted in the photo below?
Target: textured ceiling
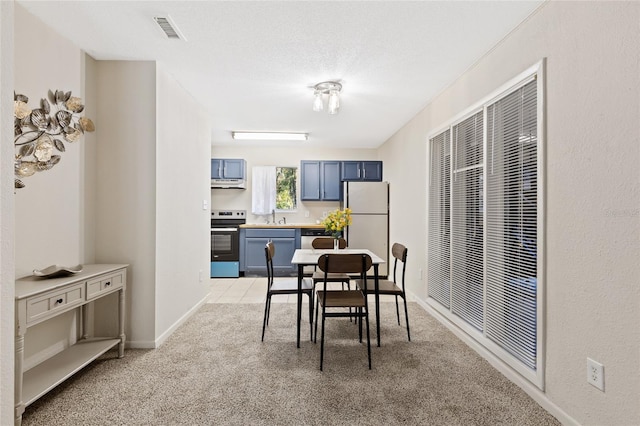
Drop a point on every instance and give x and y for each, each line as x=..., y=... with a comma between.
x=250, y=64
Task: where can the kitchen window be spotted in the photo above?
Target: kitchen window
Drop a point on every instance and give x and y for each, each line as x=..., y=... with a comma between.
x=485, y=223
x=273, y=189
x=286, y=194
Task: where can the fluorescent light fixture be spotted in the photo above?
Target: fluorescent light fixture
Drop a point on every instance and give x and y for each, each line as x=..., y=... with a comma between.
x=270, y=136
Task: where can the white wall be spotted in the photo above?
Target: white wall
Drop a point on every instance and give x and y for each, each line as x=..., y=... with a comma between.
x=592, y=195
x=7, y=264
x=126, y=185
x=48, y=210
x=283, y=157
x=182, y=186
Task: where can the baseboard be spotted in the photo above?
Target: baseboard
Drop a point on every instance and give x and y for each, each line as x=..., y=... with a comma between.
x=154, y=344
x=161, y=339
x=528, y=387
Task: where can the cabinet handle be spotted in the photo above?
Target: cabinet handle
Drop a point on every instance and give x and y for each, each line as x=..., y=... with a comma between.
x=107, y=284
x=358, y=172
x=364, y=173
x=225, y=171
x=59, y=301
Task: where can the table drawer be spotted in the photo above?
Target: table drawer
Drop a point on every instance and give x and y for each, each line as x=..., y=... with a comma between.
x=51, y=303
x=104, y=284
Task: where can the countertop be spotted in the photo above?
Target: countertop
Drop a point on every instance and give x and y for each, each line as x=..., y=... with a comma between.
x=287, y=226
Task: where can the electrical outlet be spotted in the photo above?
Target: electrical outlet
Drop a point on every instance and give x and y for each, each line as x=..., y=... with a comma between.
x=306, y=213
x=595, y=374
x=200, y=275
x=420, y=274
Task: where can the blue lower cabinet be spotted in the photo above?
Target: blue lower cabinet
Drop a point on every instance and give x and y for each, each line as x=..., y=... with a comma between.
x=255, y=241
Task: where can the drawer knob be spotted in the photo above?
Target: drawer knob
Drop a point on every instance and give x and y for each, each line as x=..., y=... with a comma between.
x=59, y=301
x=107, y=284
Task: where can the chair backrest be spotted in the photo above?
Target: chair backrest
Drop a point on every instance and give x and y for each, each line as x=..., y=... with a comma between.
x=345, y=263
x=399, y=252
x=327, y=243
x=269, y=252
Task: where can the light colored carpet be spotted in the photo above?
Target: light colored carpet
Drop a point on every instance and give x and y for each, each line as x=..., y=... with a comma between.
x=215, y=371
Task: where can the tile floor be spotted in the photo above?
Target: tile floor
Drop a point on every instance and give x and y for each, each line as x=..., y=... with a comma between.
x=253, y=290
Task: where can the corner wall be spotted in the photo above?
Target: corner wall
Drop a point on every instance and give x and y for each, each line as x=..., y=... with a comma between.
x=126, y=186
x=592, y=195
x=182, y=233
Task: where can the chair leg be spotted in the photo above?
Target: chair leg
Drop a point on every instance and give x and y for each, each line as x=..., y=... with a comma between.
x=266, y=315
x=310, y=315
x=315, y=336
x=368, y=337
x=359, y=312
x=268, y=308
x=322, y=339
x=397, y=310
x=406, y=316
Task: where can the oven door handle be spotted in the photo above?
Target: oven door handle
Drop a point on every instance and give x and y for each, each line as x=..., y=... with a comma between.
x=224, y=229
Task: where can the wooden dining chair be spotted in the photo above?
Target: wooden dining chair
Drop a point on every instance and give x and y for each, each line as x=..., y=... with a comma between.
x=394, y=287
x=282, y=286
x=334, y=302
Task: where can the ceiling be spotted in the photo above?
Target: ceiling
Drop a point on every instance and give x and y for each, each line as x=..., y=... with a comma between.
x=251, y=64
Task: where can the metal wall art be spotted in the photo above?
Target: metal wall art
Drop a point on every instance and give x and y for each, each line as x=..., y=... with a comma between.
x=38, y=132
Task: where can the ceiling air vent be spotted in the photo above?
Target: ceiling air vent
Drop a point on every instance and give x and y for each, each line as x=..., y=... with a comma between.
x=169, y=27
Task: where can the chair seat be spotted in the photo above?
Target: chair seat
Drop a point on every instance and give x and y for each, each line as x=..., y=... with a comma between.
x=290, y=285
x=331, y=277
x=384, y=287
x=342, y=299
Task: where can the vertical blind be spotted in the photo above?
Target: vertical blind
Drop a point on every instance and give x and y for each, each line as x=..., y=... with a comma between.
x=439, y=262
x=512, y=194
x=483, y=241
x=467, y=221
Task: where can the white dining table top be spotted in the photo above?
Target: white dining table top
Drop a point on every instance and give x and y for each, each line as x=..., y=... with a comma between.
x=310, y=256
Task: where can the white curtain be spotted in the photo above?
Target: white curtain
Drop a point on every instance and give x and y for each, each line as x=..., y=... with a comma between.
x=263, y=189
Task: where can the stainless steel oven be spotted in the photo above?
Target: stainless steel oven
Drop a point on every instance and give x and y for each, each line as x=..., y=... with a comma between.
x=225, y=242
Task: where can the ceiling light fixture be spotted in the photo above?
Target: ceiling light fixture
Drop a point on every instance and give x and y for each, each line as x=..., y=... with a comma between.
x=270, y=136
x=330, y=88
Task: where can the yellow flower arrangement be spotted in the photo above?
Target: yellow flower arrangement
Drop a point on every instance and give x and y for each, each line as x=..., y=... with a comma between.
x=336, y=221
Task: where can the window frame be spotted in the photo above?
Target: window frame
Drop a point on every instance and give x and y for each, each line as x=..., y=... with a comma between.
x=536, y=71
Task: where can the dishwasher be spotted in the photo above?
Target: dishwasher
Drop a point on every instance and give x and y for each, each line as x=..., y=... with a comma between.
x=307, y=235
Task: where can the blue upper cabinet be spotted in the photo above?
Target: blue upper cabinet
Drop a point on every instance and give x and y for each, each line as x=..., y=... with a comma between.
x=330, y=185
x=320, y=180
x=228, y=168
x=309, y=180
x=362, y=171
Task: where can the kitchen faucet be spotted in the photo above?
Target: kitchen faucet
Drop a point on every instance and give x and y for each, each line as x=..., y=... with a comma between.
x=283, y=221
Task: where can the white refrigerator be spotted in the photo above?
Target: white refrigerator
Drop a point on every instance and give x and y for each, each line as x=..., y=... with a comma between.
x=369, y=204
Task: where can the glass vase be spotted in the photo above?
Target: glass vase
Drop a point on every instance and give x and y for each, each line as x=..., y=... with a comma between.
x=336, y=244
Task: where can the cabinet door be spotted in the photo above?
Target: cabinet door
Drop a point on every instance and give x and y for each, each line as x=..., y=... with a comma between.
x=330, y=181
x=351, y=170
x=285, y=247
x=372, y=171
x=310, y=180
x=254, y=259
x=216, y=168
x=233, y=169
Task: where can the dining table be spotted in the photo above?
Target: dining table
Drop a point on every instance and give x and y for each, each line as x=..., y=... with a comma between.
x=309, y=257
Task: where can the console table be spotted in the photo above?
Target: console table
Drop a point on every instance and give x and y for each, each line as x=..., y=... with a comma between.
x=41, y=299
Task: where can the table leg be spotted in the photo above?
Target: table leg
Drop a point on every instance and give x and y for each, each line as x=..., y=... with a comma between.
x=19, y=357
x=377, y=294
x=300, y=272
x=121, y=306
